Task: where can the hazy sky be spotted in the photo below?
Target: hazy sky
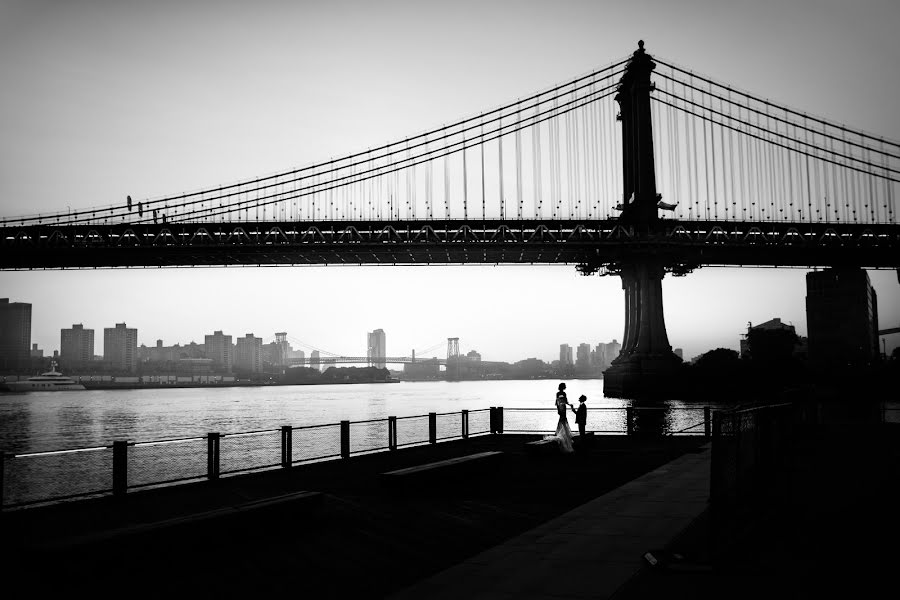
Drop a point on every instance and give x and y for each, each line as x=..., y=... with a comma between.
x=100, y=99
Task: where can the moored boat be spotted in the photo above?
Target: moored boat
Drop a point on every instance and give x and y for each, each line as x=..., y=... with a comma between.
x=51, y=381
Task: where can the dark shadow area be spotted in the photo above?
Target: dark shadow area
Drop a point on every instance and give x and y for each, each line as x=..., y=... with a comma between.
x=827, y=529
x=363, y=538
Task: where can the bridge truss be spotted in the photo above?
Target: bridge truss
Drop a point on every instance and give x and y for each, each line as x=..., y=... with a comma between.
x=589, y=244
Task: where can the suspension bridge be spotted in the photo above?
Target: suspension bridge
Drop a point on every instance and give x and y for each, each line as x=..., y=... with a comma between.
x=327, y=357
x=637, y=169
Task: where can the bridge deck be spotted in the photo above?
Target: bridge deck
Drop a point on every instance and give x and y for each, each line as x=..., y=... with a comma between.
x=687, y=244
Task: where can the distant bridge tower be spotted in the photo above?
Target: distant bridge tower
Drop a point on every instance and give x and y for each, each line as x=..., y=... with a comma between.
x=646, y=365
x=282, y=343
x=452, y=358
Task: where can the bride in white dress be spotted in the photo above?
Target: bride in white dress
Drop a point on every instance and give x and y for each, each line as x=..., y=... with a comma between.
x=563, y=434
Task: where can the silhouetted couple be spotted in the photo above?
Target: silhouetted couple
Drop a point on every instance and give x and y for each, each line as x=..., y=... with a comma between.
x=563, y=434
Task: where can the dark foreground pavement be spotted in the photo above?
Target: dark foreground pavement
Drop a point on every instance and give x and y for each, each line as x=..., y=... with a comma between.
x=360, y=537
x=832, y=532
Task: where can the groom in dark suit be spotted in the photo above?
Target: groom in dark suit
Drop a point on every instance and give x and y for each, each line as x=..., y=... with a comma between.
x=581, y=414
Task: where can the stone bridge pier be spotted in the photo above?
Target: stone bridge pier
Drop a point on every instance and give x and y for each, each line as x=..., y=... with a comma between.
x=646, y=365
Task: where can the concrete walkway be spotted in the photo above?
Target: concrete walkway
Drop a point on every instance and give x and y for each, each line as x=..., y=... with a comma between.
x=589, y=552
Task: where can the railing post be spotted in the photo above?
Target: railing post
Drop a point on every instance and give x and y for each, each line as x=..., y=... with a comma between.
x=120, y=467
x=287, y=445
x=499, y=419
x=736, y=432
x=492, y=420
x=345, y=439
x=707, y=422
x=212, y=455
x=715, y=461
x=465, y=424
x=2, y=478
x=392, y=433
x=629, y=421
x=432, y=428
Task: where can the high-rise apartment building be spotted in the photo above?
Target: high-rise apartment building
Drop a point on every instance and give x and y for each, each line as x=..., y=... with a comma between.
x=120, y=347
x=314, y=360
x=376, y=348
x=76, y=347
x=565, y=355
x=603, y=355
x=15, y=335
x=219, y=349
x=841, y=318
x=248, y=354
x=583, y=358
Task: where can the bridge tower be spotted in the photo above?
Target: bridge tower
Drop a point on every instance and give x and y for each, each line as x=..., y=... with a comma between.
x=646, y=365
x=452, y=373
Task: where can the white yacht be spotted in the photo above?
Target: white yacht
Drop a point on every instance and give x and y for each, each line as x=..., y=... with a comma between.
x=51, y=381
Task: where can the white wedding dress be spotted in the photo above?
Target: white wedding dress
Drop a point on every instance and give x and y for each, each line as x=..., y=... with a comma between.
x=563, y=434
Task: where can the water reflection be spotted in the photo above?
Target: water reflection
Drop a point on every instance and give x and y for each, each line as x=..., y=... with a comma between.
x=15, y=429
x=76, y=424
x=649, y=418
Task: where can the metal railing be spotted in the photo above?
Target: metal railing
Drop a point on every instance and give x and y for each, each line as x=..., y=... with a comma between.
x=751, y=448
x=39, y=477
x=632, y=420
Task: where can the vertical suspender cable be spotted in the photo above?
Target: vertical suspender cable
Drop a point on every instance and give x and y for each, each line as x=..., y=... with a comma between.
x=500, y=166
x=887, y=206
x=872, y=203
x=483, y=196
x=447, y=185
x=808, y=187
x=465, y=175
x=790, y=172
x=536, y=158
x=822, y=206
x=724, y=169
x=519, y=163
x=712, y=140
x=705, y=164
x=832, y=188
x=603, y=195
x=770, y=172
x=696, y=189
x=731, y=165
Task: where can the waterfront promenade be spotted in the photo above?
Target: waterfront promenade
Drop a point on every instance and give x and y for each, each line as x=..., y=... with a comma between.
x=527, y=525
x=363, y=538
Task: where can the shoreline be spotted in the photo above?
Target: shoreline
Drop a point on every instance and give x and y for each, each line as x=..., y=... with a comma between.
x=106, y=385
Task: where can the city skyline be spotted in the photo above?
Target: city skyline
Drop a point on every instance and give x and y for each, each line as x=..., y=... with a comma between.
x=98, y=117
x=220, y=336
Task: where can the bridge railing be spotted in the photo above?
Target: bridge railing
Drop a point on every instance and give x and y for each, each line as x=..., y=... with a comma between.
x=39, y=477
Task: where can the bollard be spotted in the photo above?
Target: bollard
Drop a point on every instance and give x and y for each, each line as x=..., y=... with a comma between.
x=212, y=455
x=432, y=428
x=707, y=422
x=465, y=424
x=345, y=439
x=392, y=433
x=120, y=467
x=499, y=425
x=629, y=421
x=287, y=445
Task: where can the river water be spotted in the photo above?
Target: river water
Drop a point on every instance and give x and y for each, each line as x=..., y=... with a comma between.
x=43, y=421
